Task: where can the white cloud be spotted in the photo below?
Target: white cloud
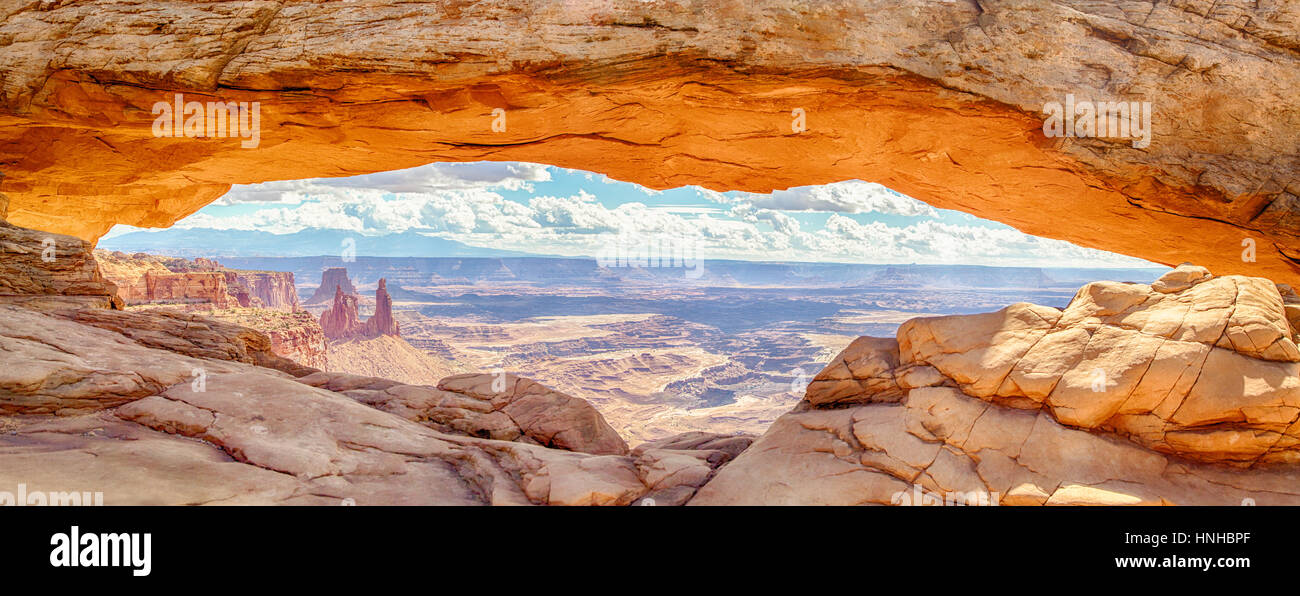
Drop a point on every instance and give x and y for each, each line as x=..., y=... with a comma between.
x=437, y=177
x=459, y=202
x=853, y=196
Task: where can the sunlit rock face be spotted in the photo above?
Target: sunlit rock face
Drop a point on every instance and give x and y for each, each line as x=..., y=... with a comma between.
x=143, y=279
x=341, y=320
x=1185, y=391
x=943, y=101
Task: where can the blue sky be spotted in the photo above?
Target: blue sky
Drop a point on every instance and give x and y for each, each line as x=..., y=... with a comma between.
x=550, y=210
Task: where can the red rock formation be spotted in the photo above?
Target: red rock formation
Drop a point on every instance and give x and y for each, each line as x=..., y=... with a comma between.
x=334, y=277
x=144, y=278
x=264, y=289
x=382, y=323
x=303, y=342
x=200, y=287
x=340, y=320
x=49, y=268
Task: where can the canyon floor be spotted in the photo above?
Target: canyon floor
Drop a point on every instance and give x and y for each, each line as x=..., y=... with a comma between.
x=657, y=353
x=1184, y=389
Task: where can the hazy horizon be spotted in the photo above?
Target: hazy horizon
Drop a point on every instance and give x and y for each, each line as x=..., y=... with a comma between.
x=515, y=207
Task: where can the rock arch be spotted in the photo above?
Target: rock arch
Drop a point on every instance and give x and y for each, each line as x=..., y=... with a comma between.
x=939, y=100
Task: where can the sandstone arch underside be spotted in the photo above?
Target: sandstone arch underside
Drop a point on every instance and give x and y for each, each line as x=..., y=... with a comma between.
x=939, y=100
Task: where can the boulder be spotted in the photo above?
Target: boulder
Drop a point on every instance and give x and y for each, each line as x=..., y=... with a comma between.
x=1186, y=391
x=547, y=416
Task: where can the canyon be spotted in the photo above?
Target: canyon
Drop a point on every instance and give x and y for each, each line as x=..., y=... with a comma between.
x=163, y=380
x=1179, y=391
x=150, y=279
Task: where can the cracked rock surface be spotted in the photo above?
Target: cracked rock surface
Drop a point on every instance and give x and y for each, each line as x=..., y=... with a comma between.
x=1186, y=391
x=132, y=423
x=523, y=410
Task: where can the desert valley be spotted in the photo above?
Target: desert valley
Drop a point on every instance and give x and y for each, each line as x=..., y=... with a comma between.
x=895, y=276
x=657, y=352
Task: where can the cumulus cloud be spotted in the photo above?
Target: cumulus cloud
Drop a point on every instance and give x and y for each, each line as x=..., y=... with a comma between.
x=429, y=178
x=460, y=202
x=853, y=196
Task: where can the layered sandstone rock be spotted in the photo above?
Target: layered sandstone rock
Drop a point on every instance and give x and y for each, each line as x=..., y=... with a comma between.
x=263, y=289
x=135, y=392
x=1199, y=373
x=548, y=417
x=148, y=279
x=341, y=320
x=68, y=361
x=332, y=279
x=522, y=410
x=942, y=101
x=381, y=323
x=294, y=335
x=189, y=334
x=50, y=269
x=207, y=287
x=676, y=467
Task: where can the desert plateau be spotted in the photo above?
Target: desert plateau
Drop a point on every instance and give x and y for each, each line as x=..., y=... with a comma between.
x=613, y=252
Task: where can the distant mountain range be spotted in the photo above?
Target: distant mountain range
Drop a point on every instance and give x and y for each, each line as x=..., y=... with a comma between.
x=407, y=272
x=411, y=259
x=204, y=242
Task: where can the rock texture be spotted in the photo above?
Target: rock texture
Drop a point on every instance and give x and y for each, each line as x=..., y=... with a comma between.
x=189, y=334
x=136, y=424
x=71, y=361
x=1186, y=391
x=942, y=101
x=340, y=320
x=294, y=335
x=50, y=269
x=381, y=323
x=522, y=410
x=263, y=289
x=332, y=279
x=148, y=279
x=676, y=467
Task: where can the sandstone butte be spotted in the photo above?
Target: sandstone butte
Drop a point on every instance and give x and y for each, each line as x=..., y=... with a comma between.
x=942, y=101
x=340, y=320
